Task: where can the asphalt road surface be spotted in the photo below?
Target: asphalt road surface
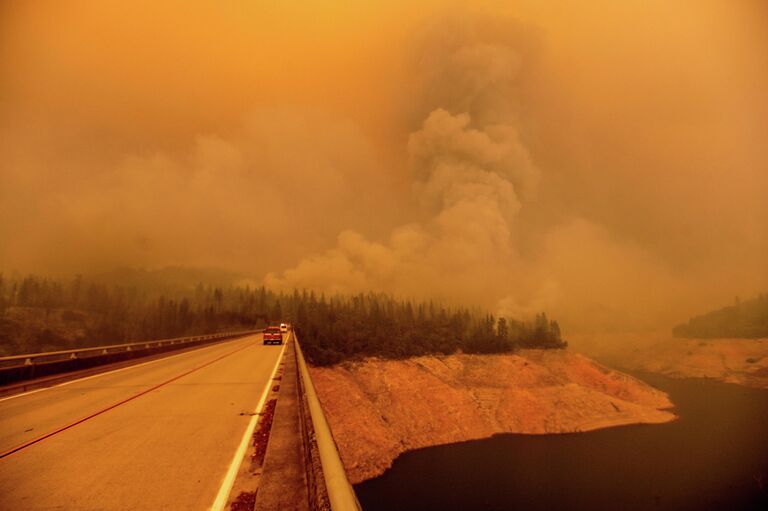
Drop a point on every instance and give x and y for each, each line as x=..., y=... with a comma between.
x=159, y=435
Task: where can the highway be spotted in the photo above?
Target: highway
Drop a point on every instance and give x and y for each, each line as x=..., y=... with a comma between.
x=157, y=435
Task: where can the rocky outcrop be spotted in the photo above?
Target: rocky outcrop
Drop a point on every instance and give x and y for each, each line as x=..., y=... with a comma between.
x=378, y=409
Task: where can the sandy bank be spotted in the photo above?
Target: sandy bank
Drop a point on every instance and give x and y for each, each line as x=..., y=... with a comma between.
x=740, y=361
x=381, y=408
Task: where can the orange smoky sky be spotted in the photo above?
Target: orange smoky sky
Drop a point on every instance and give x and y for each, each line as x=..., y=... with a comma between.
x=604, y=161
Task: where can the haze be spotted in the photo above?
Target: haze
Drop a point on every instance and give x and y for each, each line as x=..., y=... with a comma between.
x=604, y=161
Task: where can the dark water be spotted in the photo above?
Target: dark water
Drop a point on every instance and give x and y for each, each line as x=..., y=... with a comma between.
x=715, y=457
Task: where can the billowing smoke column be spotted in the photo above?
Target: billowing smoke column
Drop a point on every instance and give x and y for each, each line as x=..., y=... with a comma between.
x=648, y=206
x=472, y=178
x=472, y=175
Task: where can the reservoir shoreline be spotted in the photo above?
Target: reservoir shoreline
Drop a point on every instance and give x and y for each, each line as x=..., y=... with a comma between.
x=715, y=456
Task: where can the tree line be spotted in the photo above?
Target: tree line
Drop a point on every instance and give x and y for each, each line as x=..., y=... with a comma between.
x=345, y=327
x=746, y=319
x=41, y=314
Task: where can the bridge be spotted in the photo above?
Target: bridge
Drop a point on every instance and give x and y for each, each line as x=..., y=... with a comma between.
x=208, y=422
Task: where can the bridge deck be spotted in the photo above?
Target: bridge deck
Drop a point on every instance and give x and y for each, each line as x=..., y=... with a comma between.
x=159, y=435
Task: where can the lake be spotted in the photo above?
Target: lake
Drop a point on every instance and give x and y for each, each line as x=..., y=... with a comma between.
x=714, y=457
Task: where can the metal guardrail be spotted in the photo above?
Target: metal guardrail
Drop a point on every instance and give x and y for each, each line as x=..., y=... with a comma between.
x=340, y=493
x=51, y=356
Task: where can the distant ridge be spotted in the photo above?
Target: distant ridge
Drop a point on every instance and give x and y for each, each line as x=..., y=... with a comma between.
x=746, y=319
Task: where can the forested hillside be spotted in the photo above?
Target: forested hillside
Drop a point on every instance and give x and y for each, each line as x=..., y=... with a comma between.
x=744, y=319
x=378, y=325
x=42, y=314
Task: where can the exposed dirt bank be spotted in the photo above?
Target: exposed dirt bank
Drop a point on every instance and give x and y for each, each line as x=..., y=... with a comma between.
x=378, y=409
x=741, y=361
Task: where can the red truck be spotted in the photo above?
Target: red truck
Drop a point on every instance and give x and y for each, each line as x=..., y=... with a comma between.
x=273, y=335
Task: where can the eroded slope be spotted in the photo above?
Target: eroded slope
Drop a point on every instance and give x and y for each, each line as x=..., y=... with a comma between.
x=381, y=408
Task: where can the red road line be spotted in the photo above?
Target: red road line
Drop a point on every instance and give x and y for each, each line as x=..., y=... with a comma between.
x=91, y=416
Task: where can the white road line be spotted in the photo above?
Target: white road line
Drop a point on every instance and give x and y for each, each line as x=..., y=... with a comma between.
x=229, y=478
x=78, y=380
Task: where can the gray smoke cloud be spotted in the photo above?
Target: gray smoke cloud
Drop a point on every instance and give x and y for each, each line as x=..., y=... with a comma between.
x=472, y=183
x=237, y=202
x=555, y=161
x=472, y=174
x=476, y=183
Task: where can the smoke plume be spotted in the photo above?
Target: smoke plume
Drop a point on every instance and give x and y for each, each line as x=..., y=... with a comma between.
x=606, y=163
x=471, y=174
